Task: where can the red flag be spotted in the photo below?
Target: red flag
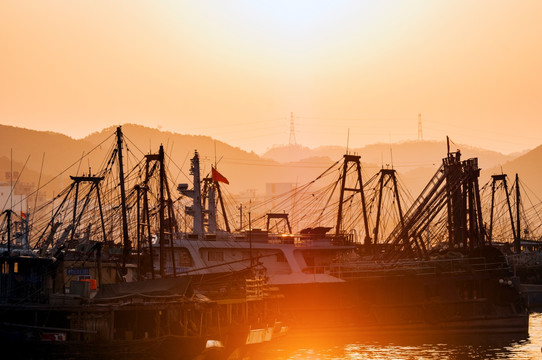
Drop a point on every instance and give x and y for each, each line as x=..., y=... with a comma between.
x=218, y=176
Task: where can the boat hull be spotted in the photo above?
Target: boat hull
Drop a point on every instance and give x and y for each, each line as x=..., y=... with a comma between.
x=398, y=302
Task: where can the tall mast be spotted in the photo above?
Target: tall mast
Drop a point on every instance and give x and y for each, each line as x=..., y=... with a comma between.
x=8, y=218
x=127, y=246
x=389, y=175
x=161, y=213
x=195, y=210
x=198, y=219
x=138, y=231
x=226, y=223
x=146, y=215
x=517, y=243
x=356, y=160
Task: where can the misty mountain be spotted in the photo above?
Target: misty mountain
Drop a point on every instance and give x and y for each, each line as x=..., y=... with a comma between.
x=416, y=162
x=528, y=167
x=408, y=154
x=64, y=157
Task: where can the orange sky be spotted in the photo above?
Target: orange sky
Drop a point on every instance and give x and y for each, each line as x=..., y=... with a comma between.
x=234, y=70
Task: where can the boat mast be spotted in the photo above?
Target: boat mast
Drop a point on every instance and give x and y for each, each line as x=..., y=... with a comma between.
x=198, y=218
x=127, y=246
x=95, y=181
x=161, y=213
x=241, y=216
x=163, y=189
x=146, y=214
x=389, y=175
x=209, y=209
x=503, y=179
x=517, y=241
x=221, y=200
x=8, y=218
x=195, y=210
x=138, y=230
x=356, y=160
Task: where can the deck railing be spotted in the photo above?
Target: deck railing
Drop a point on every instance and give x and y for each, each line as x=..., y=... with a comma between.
x=430, y=267
x=302, y=240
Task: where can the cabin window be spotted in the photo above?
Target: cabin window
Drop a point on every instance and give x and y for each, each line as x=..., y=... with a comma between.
x=184, y=258
x=15, y=267
x=5, y=268
x=215, y=255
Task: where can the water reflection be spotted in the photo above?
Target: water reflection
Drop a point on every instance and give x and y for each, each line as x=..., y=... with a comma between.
x=344, y=345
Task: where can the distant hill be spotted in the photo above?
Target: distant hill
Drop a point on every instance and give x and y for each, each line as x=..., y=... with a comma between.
x=288, y=153
x=527, y=166
x=23, y=143
x=244, y=170
x=415, y=161
x=408, y=154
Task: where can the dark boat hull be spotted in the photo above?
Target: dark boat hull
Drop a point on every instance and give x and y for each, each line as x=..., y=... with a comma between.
x=414, y=301
x=168, y=347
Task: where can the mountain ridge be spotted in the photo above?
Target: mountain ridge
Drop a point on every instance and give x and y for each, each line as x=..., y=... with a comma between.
x=244, y=170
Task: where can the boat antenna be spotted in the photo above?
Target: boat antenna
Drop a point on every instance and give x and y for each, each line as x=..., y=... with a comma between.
x=518, y=220
x=250, y=239
x=448, y=144
x=12, y=191
x=39, y=183
x=80, y=161
x=241, y=216
x=347, y=140
x=10, y=184
x=8, y=213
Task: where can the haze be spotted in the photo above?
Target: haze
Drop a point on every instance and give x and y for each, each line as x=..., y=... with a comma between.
x=235, y=70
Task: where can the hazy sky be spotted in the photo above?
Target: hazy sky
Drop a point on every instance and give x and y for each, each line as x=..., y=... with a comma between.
x=235, y=70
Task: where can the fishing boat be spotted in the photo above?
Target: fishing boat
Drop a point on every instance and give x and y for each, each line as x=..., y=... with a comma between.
x=161, y=318
x=399, y=283
x=83, y=294
x=454, y=282
x=415, y=281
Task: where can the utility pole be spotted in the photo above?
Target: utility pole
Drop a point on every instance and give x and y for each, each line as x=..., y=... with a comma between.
x=420, y=134
x=292, y=131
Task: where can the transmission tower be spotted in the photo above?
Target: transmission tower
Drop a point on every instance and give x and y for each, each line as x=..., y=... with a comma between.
x=292, y=131
x=420, y=135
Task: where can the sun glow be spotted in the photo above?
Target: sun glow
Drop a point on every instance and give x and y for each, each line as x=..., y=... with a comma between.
x=211, y=63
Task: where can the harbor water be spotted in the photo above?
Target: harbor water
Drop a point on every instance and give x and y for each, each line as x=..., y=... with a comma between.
x=340, y=345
